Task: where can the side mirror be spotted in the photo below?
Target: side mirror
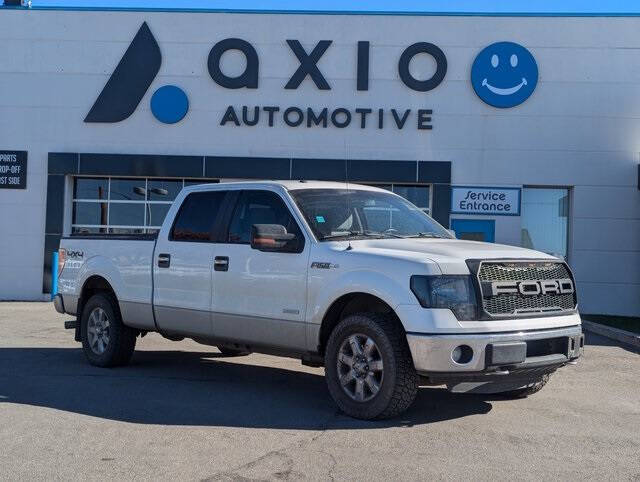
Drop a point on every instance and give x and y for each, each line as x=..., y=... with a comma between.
x=452, y=232
x=273, y=238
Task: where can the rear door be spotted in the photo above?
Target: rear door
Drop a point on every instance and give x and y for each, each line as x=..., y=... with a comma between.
x=183, y=266
x=260, y=297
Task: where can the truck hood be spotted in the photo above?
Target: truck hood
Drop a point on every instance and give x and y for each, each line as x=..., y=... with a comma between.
x=449, y=254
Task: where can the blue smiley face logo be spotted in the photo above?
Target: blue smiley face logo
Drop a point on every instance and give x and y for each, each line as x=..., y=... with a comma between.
x=504, y=74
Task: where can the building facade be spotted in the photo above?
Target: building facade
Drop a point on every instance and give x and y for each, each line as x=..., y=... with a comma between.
x=516, y=130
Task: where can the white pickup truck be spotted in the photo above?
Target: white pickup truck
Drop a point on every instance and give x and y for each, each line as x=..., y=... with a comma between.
x=349, y=277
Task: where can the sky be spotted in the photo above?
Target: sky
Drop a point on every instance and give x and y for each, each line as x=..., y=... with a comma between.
x=570, y=7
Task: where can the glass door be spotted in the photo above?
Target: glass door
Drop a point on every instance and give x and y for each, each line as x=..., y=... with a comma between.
x=545, y=220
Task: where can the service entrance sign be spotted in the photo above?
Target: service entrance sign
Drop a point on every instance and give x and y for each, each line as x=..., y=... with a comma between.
x=13, y=169
x=502, y=201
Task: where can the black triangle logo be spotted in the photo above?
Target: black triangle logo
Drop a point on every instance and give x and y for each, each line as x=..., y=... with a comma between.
x=130, y=80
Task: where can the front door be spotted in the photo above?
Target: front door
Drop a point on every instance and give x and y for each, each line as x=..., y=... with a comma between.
x=260, y=297
x=475, y=229
x=183, y=267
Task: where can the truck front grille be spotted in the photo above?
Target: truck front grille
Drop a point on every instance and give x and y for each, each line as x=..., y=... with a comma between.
x=511, y=275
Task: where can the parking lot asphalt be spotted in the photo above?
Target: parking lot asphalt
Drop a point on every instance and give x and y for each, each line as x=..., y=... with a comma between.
x=182, y=411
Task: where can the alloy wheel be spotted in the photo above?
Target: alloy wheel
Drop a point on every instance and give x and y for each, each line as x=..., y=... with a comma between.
x=98, y=331
x=360, y=367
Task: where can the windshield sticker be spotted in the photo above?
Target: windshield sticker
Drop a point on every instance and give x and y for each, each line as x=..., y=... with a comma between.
x=320, y=219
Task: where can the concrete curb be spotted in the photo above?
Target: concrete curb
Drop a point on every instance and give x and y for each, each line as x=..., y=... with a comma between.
x=614, y=333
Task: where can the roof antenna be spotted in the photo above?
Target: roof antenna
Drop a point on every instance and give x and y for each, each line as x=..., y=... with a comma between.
x=346, y=179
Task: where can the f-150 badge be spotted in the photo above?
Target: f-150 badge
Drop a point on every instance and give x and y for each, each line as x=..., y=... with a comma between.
x=321, y=265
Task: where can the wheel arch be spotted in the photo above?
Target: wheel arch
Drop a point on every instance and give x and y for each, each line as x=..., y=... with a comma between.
x=349, y=304
x=93, y=285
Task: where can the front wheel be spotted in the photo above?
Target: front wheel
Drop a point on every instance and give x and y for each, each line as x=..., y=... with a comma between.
x=530, y=389
x=369, y=369
x=106, y=341
x=231, y=352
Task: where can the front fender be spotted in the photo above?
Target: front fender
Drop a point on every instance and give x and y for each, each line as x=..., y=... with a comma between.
x=377, y=284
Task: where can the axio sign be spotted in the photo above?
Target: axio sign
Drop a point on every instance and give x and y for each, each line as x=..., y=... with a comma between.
x=141, y=63
x=503, y=201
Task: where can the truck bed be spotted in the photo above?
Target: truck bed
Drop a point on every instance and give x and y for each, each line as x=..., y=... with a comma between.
x=125, y=261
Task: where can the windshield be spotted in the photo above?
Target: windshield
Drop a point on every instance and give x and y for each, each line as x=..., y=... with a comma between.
x=335, y=214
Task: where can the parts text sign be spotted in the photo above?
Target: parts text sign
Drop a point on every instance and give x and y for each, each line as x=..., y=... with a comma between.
x=13, y=169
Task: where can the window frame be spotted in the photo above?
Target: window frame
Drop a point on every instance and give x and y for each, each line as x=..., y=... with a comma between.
x=74, y=228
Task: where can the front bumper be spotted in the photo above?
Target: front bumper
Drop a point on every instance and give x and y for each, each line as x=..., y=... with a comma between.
x=495, y=353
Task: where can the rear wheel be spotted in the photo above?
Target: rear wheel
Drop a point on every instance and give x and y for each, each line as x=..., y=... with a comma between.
x=369, y=369
x=106, y=341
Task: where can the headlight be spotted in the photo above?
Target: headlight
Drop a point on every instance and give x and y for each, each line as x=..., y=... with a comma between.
x=447, y=291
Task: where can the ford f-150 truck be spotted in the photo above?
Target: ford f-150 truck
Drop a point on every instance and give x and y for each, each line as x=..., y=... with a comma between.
x=349, y=277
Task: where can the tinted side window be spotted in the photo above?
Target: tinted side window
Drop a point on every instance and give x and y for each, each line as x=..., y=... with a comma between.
x=259, y=207
x=197, y=216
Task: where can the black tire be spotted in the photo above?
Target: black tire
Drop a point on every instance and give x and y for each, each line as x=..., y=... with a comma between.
x=530, y=389
x=232, y=352
x=121, y=339
x=398, y=385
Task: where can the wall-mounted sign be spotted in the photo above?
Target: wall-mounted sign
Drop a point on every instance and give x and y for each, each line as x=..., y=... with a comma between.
x=502, y=201
x=13, y=169
x=504, y=74
x=142, y=60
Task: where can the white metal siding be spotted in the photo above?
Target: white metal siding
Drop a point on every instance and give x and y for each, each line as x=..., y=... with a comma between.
x=580, y=128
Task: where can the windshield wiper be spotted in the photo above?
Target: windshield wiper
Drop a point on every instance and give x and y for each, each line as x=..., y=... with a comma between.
x=426, y=235
x=367, y=234
x=344, y=234
x=376, y=234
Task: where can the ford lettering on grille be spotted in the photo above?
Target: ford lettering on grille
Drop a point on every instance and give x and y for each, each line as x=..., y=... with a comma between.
x=533, y=288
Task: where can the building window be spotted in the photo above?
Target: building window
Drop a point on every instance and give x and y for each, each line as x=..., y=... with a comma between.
x=123, y=205
x=545, y=220
x=418, y=195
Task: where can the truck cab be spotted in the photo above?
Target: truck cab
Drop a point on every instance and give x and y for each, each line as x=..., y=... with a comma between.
x=349, y=277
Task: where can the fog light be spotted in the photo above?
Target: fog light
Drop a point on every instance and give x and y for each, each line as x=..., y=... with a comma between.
x=462, y=354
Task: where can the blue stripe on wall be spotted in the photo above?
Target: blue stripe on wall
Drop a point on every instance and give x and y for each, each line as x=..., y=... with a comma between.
x=183, y=9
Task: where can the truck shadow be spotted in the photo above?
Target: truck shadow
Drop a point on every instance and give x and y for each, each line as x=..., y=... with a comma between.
x=197, y=388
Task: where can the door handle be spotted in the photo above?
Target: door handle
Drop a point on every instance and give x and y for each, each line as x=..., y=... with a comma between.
x=221, y=263
x=164, y=260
